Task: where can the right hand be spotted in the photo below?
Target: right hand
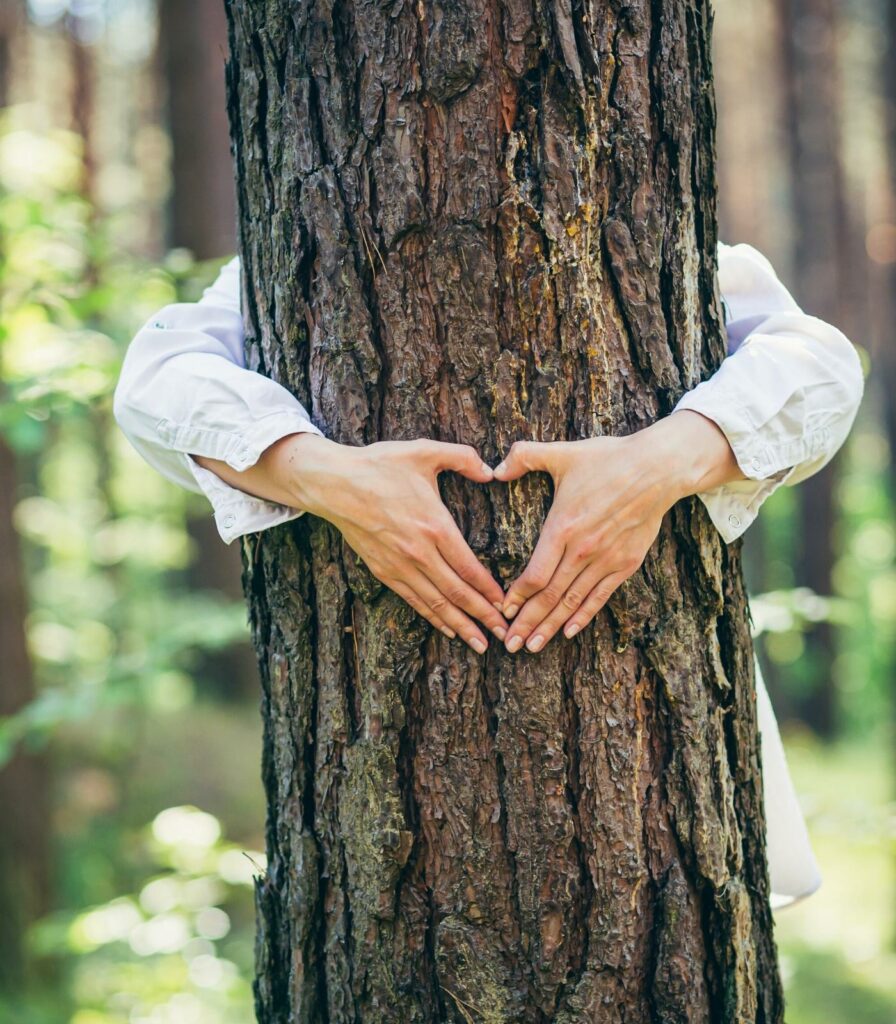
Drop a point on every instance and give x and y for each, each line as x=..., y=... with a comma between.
x=384, y=499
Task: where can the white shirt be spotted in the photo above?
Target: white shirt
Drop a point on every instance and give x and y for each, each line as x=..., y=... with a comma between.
x=785, y=398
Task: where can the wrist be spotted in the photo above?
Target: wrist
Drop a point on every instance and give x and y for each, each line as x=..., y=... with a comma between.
x=314, y=471
x=691, y=454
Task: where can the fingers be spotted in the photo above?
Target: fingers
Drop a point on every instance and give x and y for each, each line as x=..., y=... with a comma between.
x=538, y=573
x=466, y=597
x=524, y=457
x=565, y=590
x=594, y=602
x=439, y=605
x=456, y=552
x=420, y=607
x=545, y=627
x=461, y=458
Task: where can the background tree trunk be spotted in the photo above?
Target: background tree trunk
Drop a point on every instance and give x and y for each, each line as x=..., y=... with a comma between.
x=823, y=251
x=885, y=248
x=193, y=45
x=24, y=784
x=483, y=222
x=202, y=218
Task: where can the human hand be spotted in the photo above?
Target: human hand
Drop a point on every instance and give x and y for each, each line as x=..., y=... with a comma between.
x=384, y=499
x=610, y=495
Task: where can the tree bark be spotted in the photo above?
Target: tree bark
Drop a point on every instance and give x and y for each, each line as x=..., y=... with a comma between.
x=483, y=222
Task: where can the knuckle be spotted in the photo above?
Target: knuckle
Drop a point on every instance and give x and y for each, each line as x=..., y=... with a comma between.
x=551, y=594
x=600, y=537
x=630, y=565
x=439, y=535
x=466, y=572
x=586, y=548
x=518, y=451
x=456, y=595
x=438, y=604
x=572, y=599
x=534, y=579
x=430, y=532
x=604, y=591
x=563, y=529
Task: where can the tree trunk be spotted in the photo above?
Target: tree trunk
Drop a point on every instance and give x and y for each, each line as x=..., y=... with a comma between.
x=885, y=251
x=821, y=255
x=482, y=222
x=202, y=218
x=24, y=789
x=749, y=166
x=193, y=44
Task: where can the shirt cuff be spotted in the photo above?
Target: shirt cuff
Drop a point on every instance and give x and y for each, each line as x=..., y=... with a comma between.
x=239, y=449
x=236, y=512
x=733, y=506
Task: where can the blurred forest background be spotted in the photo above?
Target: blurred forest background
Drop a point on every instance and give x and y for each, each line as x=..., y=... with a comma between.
x=131, y=810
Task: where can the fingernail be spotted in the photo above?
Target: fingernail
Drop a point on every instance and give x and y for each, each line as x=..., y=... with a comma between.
x=500, y=632
x=479, y=646
x=486, y=468
x=448, y=632
x=498, y=606
x=535, y=643
x=500, y=468
x=514, y=644
x=511, y=611
x=571, y=630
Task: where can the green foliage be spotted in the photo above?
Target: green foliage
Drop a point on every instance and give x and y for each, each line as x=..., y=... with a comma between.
x=153, y=923
x=150, y=924
x=166, y=952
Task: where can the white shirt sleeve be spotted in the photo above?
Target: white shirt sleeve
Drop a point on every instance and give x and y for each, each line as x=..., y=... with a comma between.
x=786, y=395
x=184, y=389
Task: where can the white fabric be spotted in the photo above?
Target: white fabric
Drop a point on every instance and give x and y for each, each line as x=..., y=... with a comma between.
x=785, y=398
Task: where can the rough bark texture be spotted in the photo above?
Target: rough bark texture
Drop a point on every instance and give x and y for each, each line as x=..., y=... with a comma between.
x=481, y=222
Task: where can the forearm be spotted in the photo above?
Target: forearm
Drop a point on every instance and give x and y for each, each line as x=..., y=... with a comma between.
x=688, y=454
x=283, y=470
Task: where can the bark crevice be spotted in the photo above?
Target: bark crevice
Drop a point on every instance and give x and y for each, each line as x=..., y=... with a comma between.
x=481, y=223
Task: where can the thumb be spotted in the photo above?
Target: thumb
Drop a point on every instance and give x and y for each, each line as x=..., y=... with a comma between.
x=524, y=457
x=461, y=458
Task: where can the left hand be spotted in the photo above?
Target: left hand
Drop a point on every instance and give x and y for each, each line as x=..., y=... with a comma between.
x=610, y=495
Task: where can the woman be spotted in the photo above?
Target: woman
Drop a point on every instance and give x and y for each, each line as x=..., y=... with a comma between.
x=775, y=412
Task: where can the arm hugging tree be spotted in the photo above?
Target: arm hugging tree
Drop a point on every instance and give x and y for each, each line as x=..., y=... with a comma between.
x=484, y=222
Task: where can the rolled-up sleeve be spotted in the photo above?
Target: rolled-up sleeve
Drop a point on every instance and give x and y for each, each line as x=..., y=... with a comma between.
x=785, y=397
x=184, y=390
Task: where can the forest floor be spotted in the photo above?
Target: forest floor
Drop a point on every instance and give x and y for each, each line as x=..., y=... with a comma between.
x=838, y=948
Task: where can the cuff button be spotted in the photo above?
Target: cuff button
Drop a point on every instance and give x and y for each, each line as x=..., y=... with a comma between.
x=733, y=520
x=228, y=520
x=755, y=463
